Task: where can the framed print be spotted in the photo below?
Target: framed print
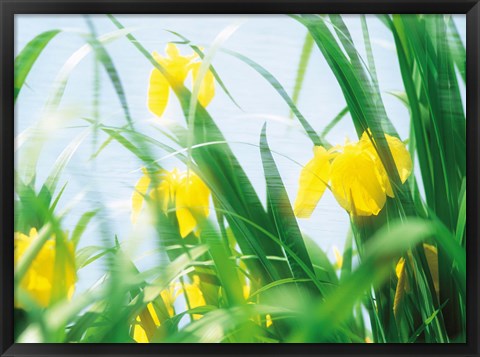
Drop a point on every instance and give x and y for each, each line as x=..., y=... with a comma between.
x=214, y=177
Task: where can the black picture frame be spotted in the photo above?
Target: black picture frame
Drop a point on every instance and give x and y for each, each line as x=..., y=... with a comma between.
x=9, y=8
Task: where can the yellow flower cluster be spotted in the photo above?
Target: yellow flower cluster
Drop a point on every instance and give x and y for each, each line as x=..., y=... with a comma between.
x=178, y=67
x=39, y=280
x=183, y=192
x=357, y=177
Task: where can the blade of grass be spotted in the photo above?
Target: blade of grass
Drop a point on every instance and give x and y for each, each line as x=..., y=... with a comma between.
x=277, y=86
x=105, y=59
x=281, y=209
x=27, y=58
x=302, y=68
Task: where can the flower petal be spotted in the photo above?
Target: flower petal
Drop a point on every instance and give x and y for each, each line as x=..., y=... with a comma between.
x=207, y=87
x=177, y=65
x=401, y=157
x=313, y=181
x=199, y=195
x=158, y=93
x=401, y=286
x=172, y=51
x=432, y=260
x=139, y=334
x=186, y=220
x=338, y=258
x=138, y=196
x=168, y=297
x=153, y=313
x=192, y=202
x=195, y=296
x=356, y=182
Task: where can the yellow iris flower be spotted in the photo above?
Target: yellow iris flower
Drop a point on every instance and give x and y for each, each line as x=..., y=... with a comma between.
x=38, y=281
x=178, y=67
x=148, y=321
x=183, y=191
x=356, y=176
x=195, y=296
x=403, y=285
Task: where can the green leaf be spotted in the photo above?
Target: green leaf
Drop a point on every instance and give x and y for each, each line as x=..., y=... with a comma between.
x=316, y=140
x=281, y=209
x=302, y=68
x=27, y=58
x=105, y=59
x=82, y=225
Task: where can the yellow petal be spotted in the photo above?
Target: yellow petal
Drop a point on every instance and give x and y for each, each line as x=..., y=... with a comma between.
x=186, y=221
x=246, y=291
x=198, y=194
x=401, y=286
x=207, y=87
x=164, y=194
x=172, y=51
x=153, y=314
x=158, y=93
x=39, y=279
x=168, y=297
x=313, y=181
x=192, y=200
x=139, y=334
x=268, y=320
x=401, y=157
x=177, y=65
x=356, y=182
x=138, y=196
x=146, y=324
x=195, y=296
x=338, y=258
x=432, y=260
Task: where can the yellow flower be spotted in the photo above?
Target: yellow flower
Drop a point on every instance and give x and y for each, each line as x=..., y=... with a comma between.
x=183, y=191
x=357, y=177
x=268, y=320
x=246, y=291
x=195, y=296
x=313, y=182
x=178, y=67
x=39, y=281
x=147, y=322
x=338, y=258
x=403, y=285
x=356, y=182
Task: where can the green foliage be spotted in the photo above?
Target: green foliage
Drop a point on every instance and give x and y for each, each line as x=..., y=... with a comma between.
x=260, y=277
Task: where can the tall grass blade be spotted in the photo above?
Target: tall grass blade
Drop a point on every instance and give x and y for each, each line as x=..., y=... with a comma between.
x=302, y=68
x=27, y=58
